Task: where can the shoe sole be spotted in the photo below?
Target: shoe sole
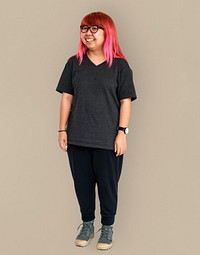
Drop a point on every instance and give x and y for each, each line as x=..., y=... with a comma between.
x=103, y=247
x=83, y=243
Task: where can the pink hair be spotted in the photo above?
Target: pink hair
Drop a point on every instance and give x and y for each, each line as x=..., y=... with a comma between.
x=111, y=46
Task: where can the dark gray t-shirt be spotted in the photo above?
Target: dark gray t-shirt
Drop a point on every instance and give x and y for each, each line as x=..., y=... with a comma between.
x=97, y=91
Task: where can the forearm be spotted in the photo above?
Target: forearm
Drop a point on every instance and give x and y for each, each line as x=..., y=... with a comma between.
x=125, y=112
x=65, y=108
x=120, y=144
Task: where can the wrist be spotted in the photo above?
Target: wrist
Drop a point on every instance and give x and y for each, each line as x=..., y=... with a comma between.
x=124, y=130
x=121, y=132
x=62, y=130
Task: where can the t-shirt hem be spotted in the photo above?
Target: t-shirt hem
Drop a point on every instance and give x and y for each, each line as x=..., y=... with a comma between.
x=131, y=97
x=91, y=145
x=64, y=91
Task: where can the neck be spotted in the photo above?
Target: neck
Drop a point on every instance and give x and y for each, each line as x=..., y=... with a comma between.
x=96, y=54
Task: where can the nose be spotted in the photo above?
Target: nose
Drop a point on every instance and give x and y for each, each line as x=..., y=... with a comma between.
x=89, y=32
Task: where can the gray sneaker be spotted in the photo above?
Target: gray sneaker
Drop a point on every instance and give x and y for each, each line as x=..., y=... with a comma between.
x=105, y=240
x=86, y=234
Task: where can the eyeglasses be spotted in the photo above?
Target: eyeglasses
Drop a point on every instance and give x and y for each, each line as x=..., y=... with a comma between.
x=93, y=29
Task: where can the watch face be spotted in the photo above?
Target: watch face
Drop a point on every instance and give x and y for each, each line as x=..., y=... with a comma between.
x=126, y=131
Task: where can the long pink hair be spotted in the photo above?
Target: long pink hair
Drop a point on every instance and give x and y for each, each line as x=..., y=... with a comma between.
x=111, y=46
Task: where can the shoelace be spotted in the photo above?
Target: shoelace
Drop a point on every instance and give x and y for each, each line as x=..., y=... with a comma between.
x=85, y=229
x=106, y=232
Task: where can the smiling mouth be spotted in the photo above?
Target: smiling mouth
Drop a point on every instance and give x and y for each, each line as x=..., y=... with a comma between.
x=89, y=39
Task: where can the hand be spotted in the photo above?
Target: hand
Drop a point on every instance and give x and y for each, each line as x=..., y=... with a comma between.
x=62, y=140
x=120, y=143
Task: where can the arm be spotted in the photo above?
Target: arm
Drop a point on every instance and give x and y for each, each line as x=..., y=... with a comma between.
x=125, y=113
x=65, y=108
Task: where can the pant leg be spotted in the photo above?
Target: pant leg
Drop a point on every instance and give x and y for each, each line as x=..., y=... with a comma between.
x=107, y=169
x=80, y=160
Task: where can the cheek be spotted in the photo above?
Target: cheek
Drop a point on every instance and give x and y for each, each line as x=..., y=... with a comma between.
x=102, y=39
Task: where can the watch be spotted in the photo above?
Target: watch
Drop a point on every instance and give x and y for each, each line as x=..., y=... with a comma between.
x=125, y=129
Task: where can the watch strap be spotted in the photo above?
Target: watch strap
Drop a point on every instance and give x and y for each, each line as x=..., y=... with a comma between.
x=124, y=129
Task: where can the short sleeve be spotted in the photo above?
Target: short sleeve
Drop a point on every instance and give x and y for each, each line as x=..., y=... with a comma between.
x=65, y=81
x=126, y=83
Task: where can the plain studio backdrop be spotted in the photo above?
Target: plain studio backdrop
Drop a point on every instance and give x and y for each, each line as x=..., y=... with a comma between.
x=159, y=190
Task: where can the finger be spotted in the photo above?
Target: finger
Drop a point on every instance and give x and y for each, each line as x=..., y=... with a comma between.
x=64, y=147
x=115, y=147
x=118, y=151
x=63, y=141
x=122, y=151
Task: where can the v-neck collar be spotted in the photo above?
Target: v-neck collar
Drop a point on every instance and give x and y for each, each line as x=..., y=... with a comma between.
x=93, y=62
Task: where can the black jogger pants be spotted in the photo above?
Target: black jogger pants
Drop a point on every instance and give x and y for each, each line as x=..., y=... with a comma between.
x=91, y=166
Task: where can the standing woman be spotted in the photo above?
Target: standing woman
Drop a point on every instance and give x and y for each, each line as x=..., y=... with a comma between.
x=97, y=89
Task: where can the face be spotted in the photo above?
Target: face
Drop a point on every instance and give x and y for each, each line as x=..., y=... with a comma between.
x=93, y=38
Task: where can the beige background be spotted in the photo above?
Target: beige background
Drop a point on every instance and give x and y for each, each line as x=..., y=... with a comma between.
x=159, y=209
